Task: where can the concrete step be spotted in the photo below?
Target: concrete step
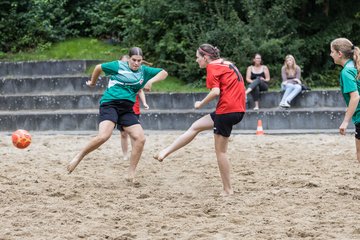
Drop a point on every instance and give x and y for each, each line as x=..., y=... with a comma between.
x=175, y=119
x=48, y=84
x=74, y=84
x=272, y=118
x=45, y=120
x=306, y=99
x=80, y=100
x=91, y=99
x=309, y=99
x=86, y=97
x=47, y=68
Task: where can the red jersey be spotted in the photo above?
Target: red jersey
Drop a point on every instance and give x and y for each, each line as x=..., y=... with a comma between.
x=225, y=76
x=136, y=107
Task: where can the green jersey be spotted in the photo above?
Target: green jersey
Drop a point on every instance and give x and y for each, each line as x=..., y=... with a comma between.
x=348, y=84
x=125, y=83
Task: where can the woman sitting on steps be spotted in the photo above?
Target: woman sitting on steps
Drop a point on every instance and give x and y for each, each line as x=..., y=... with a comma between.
x=258, y=77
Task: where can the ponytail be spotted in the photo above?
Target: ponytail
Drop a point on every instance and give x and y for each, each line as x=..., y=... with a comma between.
x=356, y=59
x=146, y=63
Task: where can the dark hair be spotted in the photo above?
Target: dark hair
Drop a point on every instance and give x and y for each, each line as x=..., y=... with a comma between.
x=209, y=50
x=146, y=63
x=257, y=54
x=135, y=51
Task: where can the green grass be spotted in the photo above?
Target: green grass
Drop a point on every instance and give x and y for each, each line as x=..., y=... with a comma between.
x=173, y=84
x=80, y=48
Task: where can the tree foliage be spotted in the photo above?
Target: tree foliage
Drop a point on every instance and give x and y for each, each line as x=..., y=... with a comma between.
x=170, y=31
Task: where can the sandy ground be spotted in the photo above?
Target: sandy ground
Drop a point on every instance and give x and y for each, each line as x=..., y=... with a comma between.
x=286, y=187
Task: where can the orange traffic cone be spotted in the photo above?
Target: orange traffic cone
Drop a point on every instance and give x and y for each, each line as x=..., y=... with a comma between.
x=259, y=130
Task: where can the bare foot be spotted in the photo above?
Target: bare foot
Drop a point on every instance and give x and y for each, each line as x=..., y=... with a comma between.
x=129, y=180
x=72, y=165
x=227, y=193
x=131, y=176
x=126, y=157
x=159, y=156
x=132, y=182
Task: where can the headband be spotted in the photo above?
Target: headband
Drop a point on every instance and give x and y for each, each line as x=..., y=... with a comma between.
x=203, y=52
x=214, y=54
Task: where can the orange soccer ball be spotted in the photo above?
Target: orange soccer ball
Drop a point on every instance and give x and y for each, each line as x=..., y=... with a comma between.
x=21, y=138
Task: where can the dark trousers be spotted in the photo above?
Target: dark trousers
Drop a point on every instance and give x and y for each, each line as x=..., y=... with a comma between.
x=258, y=85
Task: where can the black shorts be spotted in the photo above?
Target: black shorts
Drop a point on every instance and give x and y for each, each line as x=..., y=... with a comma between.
x=223, y=123
x=119, y=112
x=357, y=131
x=119, y=127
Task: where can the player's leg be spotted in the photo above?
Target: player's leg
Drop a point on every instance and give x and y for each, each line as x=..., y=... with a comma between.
x=124, y=144
x=357, y=142
x=137, y=137
x=223, y=127
x=204, y=123
x=221, y=145
x=105, y=130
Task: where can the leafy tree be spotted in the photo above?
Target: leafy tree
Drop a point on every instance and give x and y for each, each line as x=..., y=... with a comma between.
x=170, y=31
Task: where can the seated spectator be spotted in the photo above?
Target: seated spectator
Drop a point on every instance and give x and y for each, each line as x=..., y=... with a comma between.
x=258, y=76
x=291, y=83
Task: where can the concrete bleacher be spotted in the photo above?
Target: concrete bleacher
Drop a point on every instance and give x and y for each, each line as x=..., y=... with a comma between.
x=45, y=68
x=52, y=96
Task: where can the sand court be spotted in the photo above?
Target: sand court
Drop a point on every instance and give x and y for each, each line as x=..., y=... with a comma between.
x=303, y=186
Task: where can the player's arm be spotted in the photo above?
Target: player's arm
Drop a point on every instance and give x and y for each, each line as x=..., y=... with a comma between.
x=158, y=77
x=353, y=103
x=143, y=98
x=94, y=76
x=214, y=93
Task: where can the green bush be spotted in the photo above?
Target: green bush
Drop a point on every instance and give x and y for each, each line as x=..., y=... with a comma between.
x=170, y=31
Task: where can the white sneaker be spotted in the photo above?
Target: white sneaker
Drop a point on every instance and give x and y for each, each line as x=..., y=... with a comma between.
x=284, y=105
